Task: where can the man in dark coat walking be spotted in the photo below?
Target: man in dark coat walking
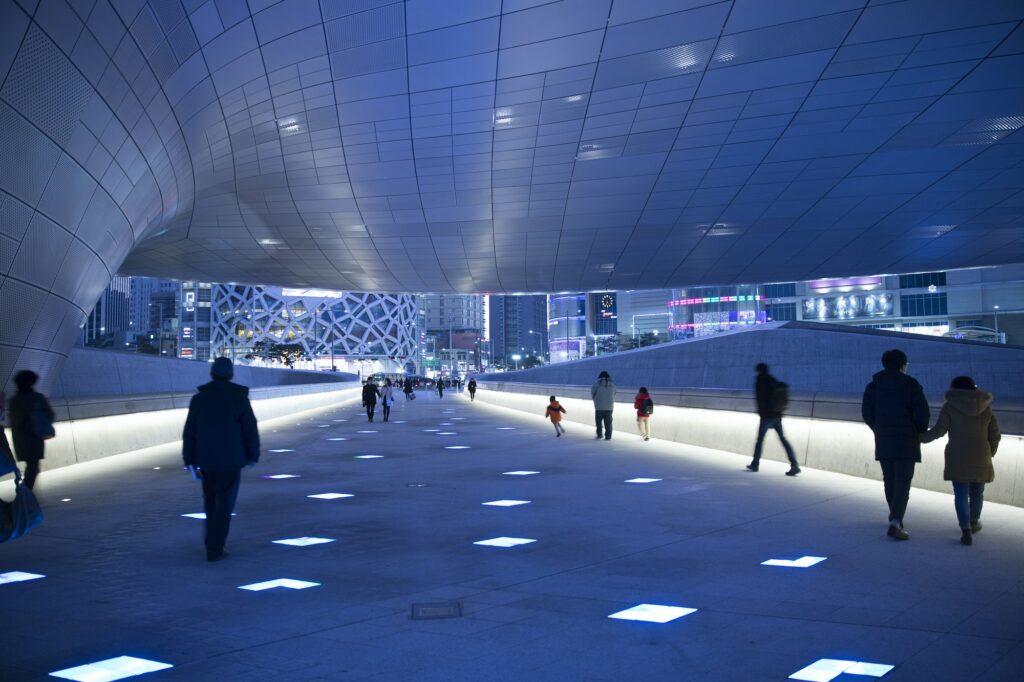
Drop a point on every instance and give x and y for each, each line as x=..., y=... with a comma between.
x=895, y=409
x=370, y=394
x=29, y=446
x=770, y=411
x=220, y=438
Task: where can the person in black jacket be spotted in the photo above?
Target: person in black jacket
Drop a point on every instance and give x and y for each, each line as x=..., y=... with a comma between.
x=770, y=412
x=895, y=409
x=28, y=446
x=370, y=394
x=220, y=438
x=472, y=389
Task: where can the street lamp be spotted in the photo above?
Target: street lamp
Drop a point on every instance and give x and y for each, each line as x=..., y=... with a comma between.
x=996, y=316
x=517, y=357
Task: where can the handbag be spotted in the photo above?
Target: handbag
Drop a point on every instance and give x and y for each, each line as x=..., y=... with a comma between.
x=42, y=422
x=20, y=516
x=7, y=463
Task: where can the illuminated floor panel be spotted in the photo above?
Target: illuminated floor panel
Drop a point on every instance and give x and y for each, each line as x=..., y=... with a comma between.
x=281, y=450
x=337, y=439
x=18, y=577
x=330, y=496
x=520, y=473
x=825, y=669
x=303, y=542
x=506, y=503
x=447, y=433
x=111, y=669
x=504, y=542
x=276, y=477
x=643, y=480
x=286, y=583
x=369, y=456
x=653, y=613
x=366, y=432
x=456, y=447
x=201, y=515
x=802, y=562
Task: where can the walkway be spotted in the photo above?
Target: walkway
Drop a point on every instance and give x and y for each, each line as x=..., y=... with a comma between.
x=126, y=573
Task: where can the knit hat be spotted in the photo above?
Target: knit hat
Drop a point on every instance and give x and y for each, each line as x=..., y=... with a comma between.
x=222, y=369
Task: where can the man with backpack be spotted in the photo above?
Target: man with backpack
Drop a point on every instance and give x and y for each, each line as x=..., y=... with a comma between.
x=772, y=399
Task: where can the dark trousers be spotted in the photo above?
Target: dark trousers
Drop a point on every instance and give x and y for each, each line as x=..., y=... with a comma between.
x=387, y=410
x=897, y=475
x=370, y=407
x=472, y=396
x=968, y=498
x=768, y=423
x=220, y=488
x=603, y=421
x=31, y=472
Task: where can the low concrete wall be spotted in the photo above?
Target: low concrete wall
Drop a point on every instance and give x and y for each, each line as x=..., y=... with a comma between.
x=91, y=372
x=824, y=429
x=95, y=427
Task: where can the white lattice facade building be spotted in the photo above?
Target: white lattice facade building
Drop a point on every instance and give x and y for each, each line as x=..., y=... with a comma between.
x=353, y=331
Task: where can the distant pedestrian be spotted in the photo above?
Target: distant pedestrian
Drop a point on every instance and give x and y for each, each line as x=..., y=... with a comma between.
x=370, y=394
x=644, y=406
x=772, y=399
x=440, y=388
x=554, y=412
x=472, y=389
x=387, y=397
x=973, y=440
x=407, y=388
x=895, y=409
x=31, y=424
x=220, y=437
x=603, y=395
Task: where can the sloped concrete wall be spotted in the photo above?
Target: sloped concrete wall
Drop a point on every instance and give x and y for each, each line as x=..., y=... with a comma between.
x=811, y=358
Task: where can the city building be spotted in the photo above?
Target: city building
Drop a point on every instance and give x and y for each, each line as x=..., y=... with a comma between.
x=453, y=334
x=108, y=324
x=518, y=326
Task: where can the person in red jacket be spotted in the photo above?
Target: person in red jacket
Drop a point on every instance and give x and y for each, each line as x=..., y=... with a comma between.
x=644, y=407
x=554, y=413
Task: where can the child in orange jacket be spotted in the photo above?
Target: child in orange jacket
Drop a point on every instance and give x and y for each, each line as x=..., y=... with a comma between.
x=554, y=413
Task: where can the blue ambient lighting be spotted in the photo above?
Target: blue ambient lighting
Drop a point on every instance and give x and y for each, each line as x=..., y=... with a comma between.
x=802, y=562
x=303, y=542
x=287, y=583
x=330, y=496
x=18, y=577
x=825, y=669
x=504, y=542
x=653, y=613
x=111, y=669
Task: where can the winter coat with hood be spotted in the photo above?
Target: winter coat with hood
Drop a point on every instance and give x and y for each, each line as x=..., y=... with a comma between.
x=603, y=393
x=638, y=404
x=220, y=430
x=973, y=435
x=895, y=409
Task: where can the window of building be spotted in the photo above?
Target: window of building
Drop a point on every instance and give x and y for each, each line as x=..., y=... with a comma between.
x=923, y=280
x=781, y=312
x=925, y=323
x=878, y=326
x=968, y=323
x=780, y=290
x=920, y=305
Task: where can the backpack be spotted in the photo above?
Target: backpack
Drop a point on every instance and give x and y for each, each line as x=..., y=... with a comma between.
x=779, y=396
x=648, y=407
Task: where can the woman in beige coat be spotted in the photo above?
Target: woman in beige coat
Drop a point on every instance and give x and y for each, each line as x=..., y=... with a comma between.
x=973, y=438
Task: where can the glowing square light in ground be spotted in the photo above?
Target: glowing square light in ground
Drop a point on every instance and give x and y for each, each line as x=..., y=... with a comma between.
x=506, y=428
x=399, y=421
x=330, y=496
x=506, y=503
x=446, y=424
x=447, y=433
x=366, y=432
x=281, y=450
x=520, y=473
x=457, y=419
x=825, y=669
x=111, y=669
x=287, y=583
x=643, y=480
x=653, y=613
x=303, y=542
x=431, y=430
x=323, y=426
x=802, y=562
x=201, y=515
x=369, y=456
x=340, y=420
x=279, y=476
x=337, y=439
x=456, y=447
x=504, y=542
x=18, y=577
x=66, y=499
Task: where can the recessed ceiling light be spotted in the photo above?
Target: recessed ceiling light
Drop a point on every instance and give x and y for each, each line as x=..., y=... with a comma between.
x=505, y=120
x=271, y=242
x=574, y=98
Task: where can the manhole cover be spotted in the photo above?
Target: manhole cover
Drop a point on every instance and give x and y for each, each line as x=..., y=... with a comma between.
x=433, y=610
x=417, y=485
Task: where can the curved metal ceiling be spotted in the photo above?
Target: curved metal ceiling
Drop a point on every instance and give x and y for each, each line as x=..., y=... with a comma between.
x=523, y=145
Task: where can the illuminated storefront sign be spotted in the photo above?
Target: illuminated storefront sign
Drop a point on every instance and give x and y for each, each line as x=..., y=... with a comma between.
x=847, y=307
x=715, y=299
